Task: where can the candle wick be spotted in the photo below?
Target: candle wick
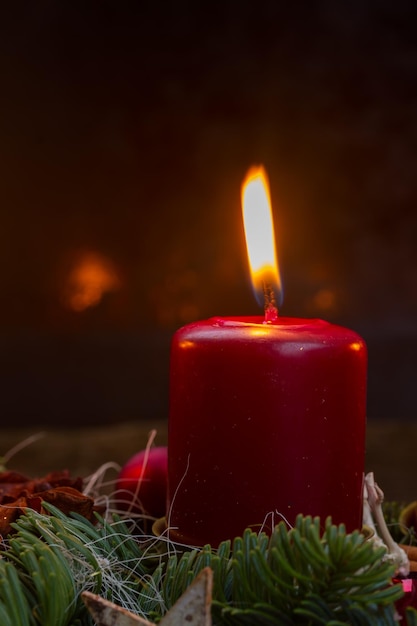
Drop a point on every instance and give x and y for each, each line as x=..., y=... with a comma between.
x=270, y=305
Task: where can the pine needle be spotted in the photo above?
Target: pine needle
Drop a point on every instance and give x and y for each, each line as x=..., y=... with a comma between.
x=301, y=576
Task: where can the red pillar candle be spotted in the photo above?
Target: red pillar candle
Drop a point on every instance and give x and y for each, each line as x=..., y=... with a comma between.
x=265, y=418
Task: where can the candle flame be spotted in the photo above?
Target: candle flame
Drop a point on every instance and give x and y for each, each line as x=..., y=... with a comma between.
x=260, y=243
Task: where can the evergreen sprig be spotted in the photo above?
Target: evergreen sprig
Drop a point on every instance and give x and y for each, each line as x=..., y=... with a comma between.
x=55, y=557
x=300, y=576
x=296, y=576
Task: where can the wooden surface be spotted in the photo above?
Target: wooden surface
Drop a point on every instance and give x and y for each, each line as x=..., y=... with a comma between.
x=391, y=451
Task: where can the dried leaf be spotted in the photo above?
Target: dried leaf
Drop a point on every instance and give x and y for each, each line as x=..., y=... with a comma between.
x=107, y=613
x=69, y=500
x=18, y=492
x=9, y=514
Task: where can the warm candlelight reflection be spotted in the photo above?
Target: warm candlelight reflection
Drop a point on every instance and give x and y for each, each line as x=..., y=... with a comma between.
x=91, y=277
x=259, y=233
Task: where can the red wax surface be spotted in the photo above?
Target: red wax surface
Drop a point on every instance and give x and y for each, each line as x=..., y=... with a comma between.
x=264, y=418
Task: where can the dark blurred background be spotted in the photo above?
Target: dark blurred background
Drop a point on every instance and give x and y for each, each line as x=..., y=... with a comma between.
x=126, y=129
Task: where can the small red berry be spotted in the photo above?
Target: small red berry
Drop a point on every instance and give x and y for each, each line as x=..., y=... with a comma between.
x=141, y=486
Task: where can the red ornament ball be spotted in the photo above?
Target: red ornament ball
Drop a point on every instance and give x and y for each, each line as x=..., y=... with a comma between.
x=141, y=486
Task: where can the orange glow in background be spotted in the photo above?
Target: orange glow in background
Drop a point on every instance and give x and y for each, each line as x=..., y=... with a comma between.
x=92, y=276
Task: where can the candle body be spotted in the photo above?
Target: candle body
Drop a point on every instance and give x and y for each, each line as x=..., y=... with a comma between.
x=264, y=418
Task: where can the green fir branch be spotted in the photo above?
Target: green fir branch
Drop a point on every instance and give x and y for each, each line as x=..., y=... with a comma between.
x=301, y=576
x=294, y=577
